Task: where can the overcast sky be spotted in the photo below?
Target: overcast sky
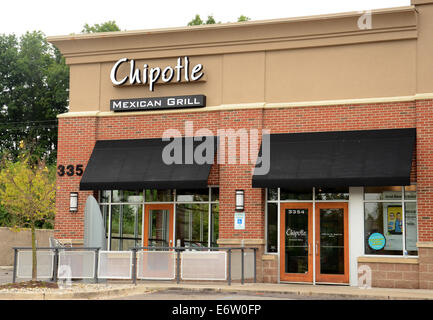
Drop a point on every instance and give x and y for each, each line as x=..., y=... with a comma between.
x=60, y=17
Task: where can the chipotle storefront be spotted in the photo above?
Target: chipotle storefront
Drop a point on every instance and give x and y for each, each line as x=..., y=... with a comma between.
x=308, y=138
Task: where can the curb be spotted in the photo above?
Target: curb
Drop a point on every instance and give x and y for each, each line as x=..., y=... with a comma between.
x=310, y=293
x=148, y=288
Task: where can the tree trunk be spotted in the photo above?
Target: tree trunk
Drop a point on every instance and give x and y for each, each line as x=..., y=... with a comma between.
x=34, y=261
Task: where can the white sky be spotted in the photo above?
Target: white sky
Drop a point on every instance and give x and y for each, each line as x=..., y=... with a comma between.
x=60, y=17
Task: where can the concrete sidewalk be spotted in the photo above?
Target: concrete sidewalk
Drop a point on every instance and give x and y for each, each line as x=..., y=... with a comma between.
x=316, y=291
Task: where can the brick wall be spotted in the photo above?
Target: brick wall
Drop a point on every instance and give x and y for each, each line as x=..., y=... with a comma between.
x=424, y=125
x=77, y=137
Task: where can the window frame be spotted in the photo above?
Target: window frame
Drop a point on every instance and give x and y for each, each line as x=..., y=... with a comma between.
x=401, y=201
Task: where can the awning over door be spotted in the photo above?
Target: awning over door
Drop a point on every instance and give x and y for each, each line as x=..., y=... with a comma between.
x=339, y=159
x=138, y=164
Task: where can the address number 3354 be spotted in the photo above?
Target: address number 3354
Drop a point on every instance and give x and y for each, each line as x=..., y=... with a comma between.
x=70, y=170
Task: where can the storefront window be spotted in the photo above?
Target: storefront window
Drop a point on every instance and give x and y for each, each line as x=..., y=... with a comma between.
x=214, y=225
x=382, y=193
x=410, y=192
x=192, y=224
x=411, y=228
x=105, y=196
x=286, y=194
x=215, y=194
x=197, y=224
x=153, y=195
x=273, y=194
x=191, y=195
x=332, y=193
x=132, y=196
x=125, y=226
x=272, y=231
x=390, y=226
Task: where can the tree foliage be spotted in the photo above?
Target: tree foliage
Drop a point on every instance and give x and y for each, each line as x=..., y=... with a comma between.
x=28, y=191
x=211, y=20
x=34, y=85
x=107, y=26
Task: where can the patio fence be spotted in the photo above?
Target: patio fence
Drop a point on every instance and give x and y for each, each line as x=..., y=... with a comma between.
x=141, y=263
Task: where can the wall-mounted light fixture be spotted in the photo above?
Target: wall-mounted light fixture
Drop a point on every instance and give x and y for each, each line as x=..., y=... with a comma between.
x=240, y=200
x=73, y=202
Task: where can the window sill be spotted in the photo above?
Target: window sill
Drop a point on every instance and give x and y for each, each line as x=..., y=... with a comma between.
x=407, y=260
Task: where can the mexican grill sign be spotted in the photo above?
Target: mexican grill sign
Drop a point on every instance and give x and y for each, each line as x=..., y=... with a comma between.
x=157, y=103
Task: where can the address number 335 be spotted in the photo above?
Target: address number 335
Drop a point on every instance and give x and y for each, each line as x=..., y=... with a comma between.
x=70, y=170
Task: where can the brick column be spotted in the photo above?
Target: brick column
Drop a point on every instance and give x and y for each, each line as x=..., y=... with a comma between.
x=424, y=118
x=77, y=137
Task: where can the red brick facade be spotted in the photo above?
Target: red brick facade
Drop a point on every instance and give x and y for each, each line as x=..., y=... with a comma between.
x=77, y=136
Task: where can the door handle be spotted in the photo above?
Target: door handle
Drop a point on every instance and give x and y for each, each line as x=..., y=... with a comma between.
x=317, y=248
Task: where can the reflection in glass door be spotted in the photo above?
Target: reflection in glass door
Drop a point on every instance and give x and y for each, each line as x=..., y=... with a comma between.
x=158, y=226
x=296, y=240
x=331, y=243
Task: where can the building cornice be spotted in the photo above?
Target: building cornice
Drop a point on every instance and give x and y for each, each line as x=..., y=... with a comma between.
x=257, y=105
x=266, y=35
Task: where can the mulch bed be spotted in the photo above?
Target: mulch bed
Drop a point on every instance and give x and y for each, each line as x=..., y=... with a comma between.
x=30, y=284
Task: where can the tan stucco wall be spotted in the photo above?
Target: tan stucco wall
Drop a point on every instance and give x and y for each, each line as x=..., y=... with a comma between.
x=277, y=61
x=23, y=238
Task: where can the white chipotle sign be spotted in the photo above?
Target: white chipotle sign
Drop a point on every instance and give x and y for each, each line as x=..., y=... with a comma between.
x=149, y=76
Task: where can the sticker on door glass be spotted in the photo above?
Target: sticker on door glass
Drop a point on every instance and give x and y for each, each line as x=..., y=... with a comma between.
x=376, y=241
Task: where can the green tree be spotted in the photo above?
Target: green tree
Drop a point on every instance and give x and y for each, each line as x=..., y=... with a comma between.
x=211, y=20
x=34, y=84
x=103, y=27
x=28, y=191
x=198, y=21
x=243, y=18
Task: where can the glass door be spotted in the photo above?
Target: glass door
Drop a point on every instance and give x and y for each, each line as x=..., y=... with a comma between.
x=158, y=225
x=332, y=247
x=296, y=240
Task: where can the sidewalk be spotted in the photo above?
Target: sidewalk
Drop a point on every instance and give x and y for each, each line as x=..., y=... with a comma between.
x=317, y=292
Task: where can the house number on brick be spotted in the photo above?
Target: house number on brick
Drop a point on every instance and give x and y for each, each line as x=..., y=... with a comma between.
x=69, y=170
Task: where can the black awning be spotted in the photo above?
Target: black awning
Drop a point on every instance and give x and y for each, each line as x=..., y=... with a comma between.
x=138, y=164
x=338, y=159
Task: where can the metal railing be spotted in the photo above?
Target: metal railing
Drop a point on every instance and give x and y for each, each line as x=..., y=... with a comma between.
x=56, y=251
x=179, y=250
x=180, y=253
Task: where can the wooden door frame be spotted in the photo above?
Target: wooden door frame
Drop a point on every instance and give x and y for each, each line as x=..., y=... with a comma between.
x=344, y=278
x=147, y=208
x=296, y=277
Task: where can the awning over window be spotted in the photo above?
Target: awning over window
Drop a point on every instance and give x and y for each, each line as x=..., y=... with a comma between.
x=138, y=164
x=338, y=159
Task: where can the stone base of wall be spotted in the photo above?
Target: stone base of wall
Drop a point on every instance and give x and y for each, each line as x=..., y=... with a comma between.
x=270, y=268
x=425, y=265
